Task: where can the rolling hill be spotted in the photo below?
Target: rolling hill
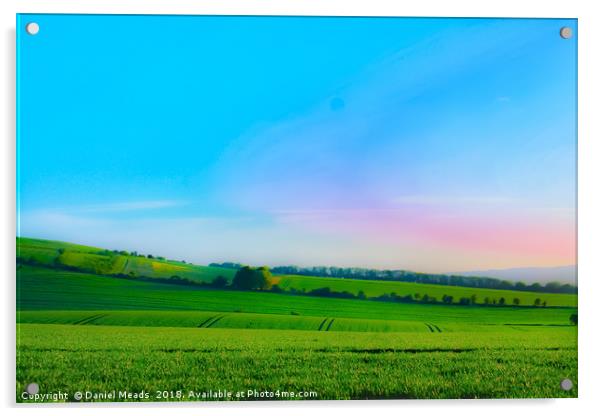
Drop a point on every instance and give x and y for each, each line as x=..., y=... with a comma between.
x=103, y=262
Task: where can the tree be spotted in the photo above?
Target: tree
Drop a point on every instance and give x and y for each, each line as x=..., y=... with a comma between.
x=251, y=278
x=516, y=301
x=502, y=301
x=180, y=280
x=486, y=301
x=553, y=287
x=505, y=284
x=276, y=289
x=573, y=318
x=464, y=301
x=447, y=299
x=361, y=295
x=473, y=299
x=219, y=282
x=537, y=302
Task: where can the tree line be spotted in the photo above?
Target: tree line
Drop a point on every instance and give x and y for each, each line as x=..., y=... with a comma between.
x=414, y=277
x=260, y=278
x=415, y=298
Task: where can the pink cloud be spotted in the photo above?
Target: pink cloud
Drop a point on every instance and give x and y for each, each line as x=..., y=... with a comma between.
x=542, y=238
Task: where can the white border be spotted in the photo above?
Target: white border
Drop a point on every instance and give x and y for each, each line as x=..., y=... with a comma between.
x=590, y=201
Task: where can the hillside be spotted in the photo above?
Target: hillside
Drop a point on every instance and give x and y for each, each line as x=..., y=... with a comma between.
x=107, y=262
x=66, y=256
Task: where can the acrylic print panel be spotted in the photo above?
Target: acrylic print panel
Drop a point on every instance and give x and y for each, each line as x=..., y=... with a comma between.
x=282, y=208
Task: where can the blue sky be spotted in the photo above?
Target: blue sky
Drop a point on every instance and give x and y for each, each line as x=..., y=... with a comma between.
x=375, y=142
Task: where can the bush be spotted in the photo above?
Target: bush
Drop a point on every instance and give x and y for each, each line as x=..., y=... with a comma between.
x=327, y=293
x=276, y=289
x=175, y=280
x=219, y=282
x=573, y=318
x=464, y=301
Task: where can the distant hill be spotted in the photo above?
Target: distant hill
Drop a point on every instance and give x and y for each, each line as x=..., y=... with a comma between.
x=99, y=261
x=562, y=274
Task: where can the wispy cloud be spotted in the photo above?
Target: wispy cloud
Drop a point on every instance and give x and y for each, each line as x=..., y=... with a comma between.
x=451, y=199
x=125, y=206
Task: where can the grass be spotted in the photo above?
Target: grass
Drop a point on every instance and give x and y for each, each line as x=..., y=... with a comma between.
x=351, y=365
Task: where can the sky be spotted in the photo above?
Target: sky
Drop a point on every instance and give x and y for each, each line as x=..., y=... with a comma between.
x=433, y=145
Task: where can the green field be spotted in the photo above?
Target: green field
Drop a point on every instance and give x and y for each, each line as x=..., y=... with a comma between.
x=418, y=322
x=90, y=331
x=48, y=289
x=374, y=288
x=350, y=365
